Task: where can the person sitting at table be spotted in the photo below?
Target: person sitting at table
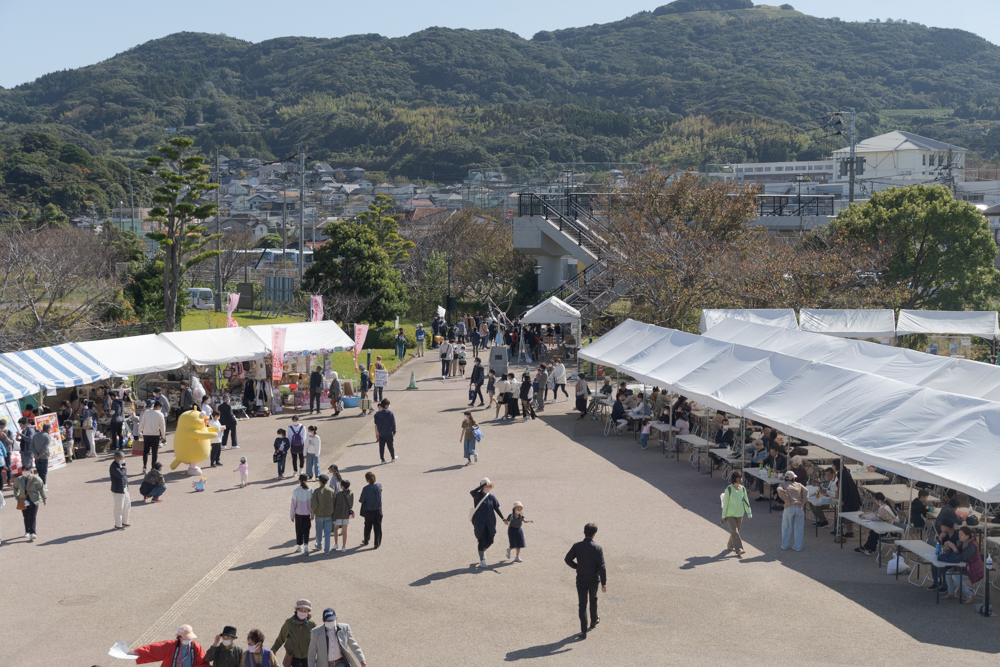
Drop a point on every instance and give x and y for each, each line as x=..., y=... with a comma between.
x=642, y=406
x=682, y=425
x=765, y=435
x=681, y=405
x=828, y=489
x=968, y=553
x=886, y=512
x=776, y=461
x=919, y=509
x=947, y=513
x=630, y=400
x=946, y=534
x=723, y=435
x=801, y=468
x=607, y=389
x=618, y=412
x=757, y=452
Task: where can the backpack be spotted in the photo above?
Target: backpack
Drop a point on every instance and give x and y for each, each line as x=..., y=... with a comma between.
x=296, y=439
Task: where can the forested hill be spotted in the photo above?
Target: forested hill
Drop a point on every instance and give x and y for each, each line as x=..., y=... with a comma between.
x=672, y=85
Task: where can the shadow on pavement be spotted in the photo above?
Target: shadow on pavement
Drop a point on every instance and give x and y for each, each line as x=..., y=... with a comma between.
x=908, y=608
x=357, y=468
x=76, y=538
x=472, y=569
x=696, y=561
x=454, y=467
x=542, y=650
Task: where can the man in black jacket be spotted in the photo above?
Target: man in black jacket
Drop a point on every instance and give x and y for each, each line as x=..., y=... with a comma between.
x=228, y=419
x=315, y=388
x=587, y=558
x=119, y=489
x=476, y=381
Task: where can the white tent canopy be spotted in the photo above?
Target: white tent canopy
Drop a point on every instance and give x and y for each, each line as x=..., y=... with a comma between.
x=551, y=311
x=58, y=367
x=302, y=338
x=849, y=323
x=776, y=317
x=13, y=385
x=622, y=342
x=135, y=355
x=209, y=347
x=949, y=323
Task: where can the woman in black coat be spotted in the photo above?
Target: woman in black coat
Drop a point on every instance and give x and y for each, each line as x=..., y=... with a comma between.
x=371, y=509
x=484, y=523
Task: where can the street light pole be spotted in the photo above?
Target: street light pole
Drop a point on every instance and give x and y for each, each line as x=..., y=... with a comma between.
x=218, y=243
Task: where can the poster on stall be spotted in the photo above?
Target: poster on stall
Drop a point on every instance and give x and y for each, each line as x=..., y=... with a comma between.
x=932, y=348
x=234, y=300
x=360, y=333
x=57, y=459
x=381, y=378
x=316, y=308
x=15, y=464
x=953, y=347
x=277, y=353
x=11, y=412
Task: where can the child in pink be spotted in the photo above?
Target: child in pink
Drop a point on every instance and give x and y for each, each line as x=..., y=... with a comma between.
x=242, y=469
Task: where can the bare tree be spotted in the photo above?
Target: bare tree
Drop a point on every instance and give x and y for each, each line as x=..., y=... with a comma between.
x=235, y=246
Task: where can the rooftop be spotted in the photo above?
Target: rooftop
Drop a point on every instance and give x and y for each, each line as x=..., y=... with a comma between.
x=899, y=141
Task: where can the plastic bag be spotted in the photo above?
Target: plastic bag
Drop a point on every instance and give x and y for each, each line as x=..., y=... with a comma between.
x=897, y=565
x=197, y=389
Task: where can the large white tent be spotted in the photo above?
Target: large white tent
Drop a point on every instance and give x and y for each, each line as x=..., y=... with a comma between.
x=621, y=343
x=776, y=317
x=849, y=323
x=209, y=347
x=302, y=338
x=135, y=355
x=551, y=311
x=949, y=323
x=57, y=367
x=924, y=434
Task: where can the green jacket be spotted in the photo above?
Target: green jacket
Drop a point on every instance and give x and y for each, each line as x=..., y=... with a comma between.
x=322, y=501
x=343, y=502
x=735, y=503
x=225, y=656
x=32, y=487
x=294, y=636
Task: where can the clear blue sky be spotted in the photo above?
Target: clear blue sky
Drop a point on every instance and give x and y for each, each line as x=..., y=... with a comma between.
x=47, y=35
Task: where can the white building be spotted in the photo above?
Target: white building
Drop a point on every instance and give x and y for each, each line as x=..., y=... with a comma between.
x=904, y=155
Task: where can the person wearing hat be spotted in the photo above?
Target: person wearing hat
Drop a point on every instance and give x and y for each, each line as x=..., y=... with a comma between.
x=793, y=517
x=294, y=634
x=119, y=490
x=181, y=651
x=421, y=335
x=581, y=393
x=224, y=652
x=153, y=429
x=29, y=491
x=332, y=644
x=484, y=523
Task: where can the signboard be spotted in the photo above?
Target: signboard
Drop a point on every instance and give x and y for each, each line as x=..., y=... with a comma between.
x=277, y=353
x=953, y=347
x=932, y=348
x=966, y=342
x=381, y=378
x=57, y=458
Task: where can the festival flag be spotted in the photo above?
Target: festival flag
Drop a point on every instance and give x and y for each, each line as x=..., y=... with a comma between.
x=360, y=333
x=316, y=304
x=277, y=353
x=234, y=300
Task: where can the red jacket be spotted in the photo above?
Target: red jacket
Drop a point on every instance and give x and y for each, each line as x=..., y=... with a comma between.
x=168, y=654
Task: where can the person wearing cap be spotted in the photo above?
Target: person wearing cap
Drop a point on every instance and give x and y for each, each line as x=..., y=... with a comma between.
x=29, y=488
x=224, y=652
x=421, y=335
x=484, y=523
x=294, y=634
x=333, y=645
x=181, y=651
x=322, y=507
x=119, y=491
x=793, y=518
x=153, y=429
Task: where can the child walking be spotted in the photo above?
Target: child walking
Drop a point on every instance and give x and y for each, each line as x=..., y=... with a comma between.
x=468, y=439
x=647, y=426
x=313, y=449
x=462, y=360
x=281, y=452
x=244, y=472
x=515, y=533
x=216, y=452
x=491, y=387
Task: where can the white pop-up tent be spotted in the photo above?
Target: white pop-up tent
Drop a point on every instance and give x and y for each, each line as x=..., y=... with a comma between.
x=58, y=367
x=135, y=355
x=552, y=311
x=210, y=347
x=949, y=323
x=849, y=323
x=776, y=317
x=304, y=338
x=622, y=342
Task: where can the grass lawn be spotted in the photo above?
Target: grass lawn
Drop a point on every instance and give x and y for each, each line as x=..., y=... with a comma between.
x=343, y=363
x=195, y=320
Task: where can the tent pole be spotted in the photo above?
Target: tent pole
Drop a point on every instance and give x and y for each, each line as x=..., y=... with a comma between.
x=840, y=502
x=670, y=434
x=907, y=533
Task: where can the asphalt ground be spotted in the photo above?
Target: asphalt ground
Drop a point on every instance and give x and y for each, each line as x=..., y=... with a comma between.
x=226, y=557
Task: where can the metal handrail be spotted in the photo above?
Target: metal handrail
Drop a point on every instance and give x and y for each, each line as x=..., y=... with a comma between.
x=574, y=284
x=530, y=204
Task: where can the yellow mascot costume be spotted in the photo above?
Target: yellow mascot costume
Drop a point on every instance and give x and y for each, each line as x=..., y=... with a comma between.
x=192, y=441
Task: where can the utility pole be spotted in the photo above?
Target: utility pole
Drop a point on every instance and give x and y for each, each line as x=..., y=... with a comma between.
x=218, y=242
x=284, y=216
x=852, y=166
x=131, y=199
x=302, y=207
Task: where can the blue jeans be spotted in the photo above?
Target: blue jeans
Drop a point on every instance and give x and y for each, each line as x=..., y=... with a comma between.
x=644, y=440
x=952, y=579
x=793, y=520
x=157, y=492
x=470, y=448
x=324, y=525
x=312, y=465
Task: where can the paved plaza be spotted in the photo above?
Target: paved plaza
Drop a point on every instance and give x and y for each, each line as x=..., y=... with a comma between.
x=226, y=557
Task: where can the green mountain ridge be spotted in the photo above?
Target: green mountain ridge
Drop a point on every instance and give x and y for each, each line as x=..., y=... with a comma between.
x=673, y=86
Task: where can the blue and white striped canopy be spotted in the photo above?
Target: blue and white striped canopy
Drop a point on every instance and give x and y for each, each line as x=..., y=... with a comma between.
x=13, y=385
x=57, y=367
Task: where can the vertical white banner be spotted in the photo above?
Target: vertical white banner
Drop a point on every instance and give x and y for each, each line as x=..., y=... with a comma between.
x=277, y=353
x=317, y=308
x=234, y=300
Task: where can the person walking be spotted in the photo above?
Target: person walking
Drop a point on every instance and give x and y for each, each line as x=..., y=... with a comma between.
x=343, y=506
x=153, y=485
x=88, y=424
x=400, y=344
x=447, y=353
x=385, y=430
x=336, y=393
x=117, y=410
x=224, y=652
x=526, y=397
x=153, y=430
x=587, y=558
x=301, y=514
x=476, y=382
x=256, y=654
x=377, y=366
x=119, y=491
x=332, y=644
x=322, y=509
x=421, y=335
x=543, y=388
x=313, y=449
x=370, y=506
x=581, y=394
x=315, y=389
x=215, y=453
x=484, y=522
x=297, y=444
x=29, y=490
x=228, y=419
x=793, y=517
x=515, y=533
x=468, y=439
x=181, y=651
x=281, y=446
x=558, y=379
x=294, y=635
x=41, y=444
x=735, y=505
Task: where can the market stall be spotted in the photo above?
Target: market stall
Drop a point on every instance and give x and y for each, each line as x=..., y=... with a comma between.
x=556, y=311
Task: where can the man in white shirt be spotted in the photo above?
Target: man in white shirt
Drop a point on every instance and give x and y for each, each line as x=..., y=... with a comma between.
x=558, y=379
x=332, y=644
x=828, y=490
x=153, y=429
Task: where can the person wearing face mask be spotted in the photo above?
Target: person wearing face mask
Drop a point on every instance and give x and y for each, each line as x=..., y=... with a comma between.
x=294, y=635
x=332, y=644
x=224, y=652
x=256, y=655
x=724, y=436
x=181, y=651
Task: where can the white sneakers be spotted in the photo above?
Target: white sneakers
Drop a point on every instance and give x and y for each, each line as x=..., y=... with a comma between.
x=517, y=559
x=476, y=457
x=298, y=549
x=482, y=563
x=395, y=458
